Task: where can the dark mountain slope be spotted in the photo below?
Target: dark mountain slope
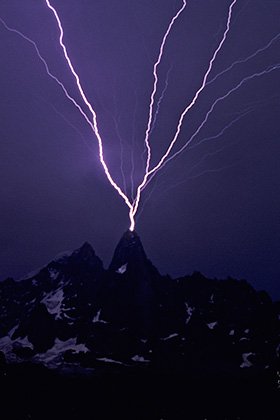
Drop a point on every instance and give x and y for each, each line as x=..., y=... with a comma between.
x=87, y=343
x=74, y=311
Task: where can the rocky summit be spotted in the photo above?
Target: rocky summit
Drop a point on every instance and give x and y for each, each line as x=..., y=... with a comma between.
x=73, y=317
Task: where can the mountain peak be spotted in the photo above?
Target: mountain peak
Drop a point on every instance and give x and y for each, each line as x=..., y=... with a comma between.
x=130, y=254
x=86, y=254
x=85, y=250
x=128, y=250
x=130, y=239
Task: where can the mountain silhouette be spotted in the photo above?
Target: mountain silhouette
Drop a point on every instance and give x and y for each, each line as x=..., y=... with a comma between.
x=73, y=315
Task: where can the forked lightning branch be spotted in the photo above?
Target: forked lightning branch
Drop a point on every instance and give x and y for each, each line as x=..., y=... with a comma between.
x=90, y=116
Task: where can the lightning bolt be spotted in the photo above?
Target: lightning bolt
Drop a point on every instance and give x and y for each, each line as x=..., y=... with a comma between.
x=26, y=38
x=93, y=123
x=204, y=140
x=221, y=98
x=221, y=132
x=244, y=60
x=132, y=146
x=209, y=112
x=93, y=114
x=160, y=100
x=152, y=98
x=150, y=172
x=154, y=121
x=119, y=136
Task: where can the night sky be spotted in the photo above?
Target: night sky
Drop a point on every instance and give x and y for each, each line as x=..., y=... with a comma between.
x=214, y=209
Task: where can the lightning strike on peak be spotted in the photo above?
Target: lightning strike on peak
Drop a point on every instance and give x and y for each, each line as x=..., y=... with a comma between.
x=133, y=207
x=149, y=173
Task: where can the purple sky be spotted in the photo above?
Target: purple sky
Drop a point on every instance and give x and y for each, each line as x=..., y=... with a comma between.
x=214, y=209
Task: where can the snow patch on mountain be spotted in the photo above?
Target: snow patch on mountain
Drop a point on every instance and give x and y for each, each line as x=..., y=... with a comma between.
x=140, y=359
x=246, y=362
x=122, y=269
x=212, y=325
x=53, y=273
x=53, y=357
x=53, y=302
x=7, y=345
x=97, y=318
x=68, y=317
x=189, y=312
x=170, y=336
x=105, y=359
x=12, y=330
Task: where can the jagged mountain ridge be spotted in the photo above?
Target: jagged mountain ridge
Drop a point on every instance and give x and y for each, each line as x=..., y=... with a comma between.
x=74, y=312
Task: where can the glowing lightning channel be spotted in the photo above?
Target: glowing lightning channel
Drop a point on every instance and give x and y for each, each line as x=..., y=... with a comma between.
x=48, y=70
x=244, y=60
x=152, y=99
x=221, y=132
x=206, y=139
x=166, y=157
x=221, y=98
x=93, y=124
x=94, y=117
x=132, y=148
x=160, y=100
x=117, y=130
x=150, y=172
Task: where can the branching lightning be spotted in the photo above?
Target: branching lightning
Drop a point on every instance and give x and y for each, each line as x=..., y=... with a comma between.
x=221, y=98
x=221, y=132
x=133, y=201
x=160, y=101
x=244, y=60
x=26, y=38
x=117, y=129
x=133, y=207
x=93, y=114
x=209, y=112
x=132, y=148
x=150, y=172
x=154, y=91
